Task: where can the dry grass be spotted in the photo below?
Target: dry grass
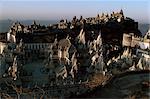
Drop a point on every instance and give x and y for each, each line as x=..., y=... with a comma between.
x=97, y=79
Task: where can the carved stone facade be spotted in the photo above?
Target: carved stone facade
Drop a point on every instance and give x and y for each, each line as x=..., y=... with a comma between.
x=131, y=40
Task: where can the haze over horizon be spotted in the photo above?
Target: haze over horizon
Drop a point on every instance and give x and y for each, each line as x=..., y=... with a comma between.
x=64, y=9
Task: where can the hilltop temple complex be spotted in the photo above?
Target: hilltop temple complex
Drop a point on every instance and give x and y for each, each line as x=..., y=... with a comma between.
x=61, y=60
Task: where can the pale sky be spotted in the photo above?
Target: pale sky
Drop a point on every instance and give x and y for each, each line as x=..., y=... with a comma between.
x=139, y=10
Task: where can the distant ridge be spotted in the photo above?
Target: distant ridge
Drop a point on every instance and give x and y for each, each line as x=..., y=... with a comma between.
x=143, y=27
x=5, y=24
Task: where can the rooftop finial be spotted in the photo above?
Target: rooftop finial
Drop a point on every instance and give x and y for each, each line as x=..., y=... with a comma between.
x=34, y=22
x=121, y=11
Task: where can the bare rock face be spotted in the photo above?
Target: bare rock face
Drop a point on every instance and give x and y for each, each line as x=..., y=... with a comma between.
x=134, y=84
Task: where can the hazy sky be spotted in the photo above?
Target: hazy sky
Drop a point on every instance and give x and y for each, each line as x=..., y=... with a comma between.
x=58, y=9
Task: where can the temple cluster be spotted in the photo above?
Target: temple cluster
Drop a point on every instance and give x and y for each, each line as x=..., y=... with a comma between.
x=70, y=53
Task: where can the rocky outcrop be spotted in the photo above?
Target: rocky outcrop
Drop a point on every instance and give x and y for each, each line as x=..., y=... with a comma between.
x=125, y=85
